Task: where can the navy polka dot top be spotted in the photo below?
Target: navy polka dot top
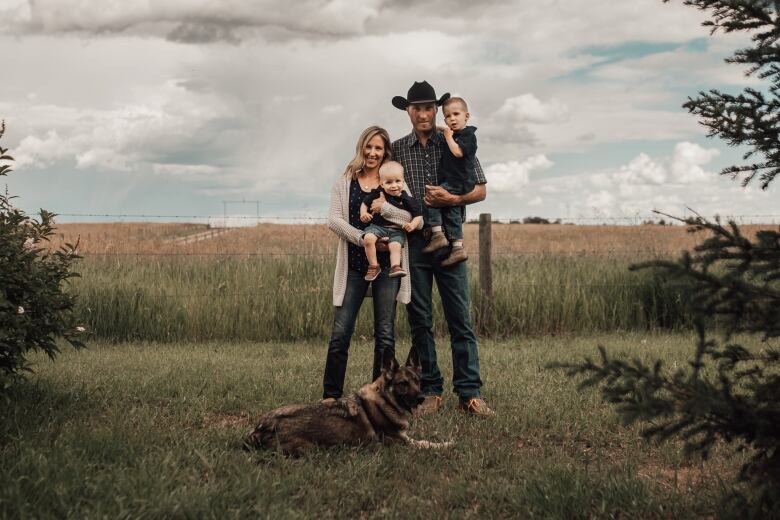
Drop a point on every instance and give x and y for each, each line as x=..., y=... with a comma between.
x=357, y=260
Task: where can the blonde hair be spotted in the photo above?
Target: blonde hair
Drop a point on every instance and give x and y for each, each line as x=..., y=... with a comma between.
x=357, y=163
x=452, y=100
x=389, y=168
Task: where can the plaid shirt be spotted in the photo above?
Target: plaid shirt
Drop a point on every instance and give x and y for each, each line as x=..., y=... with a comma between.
x=421, y=163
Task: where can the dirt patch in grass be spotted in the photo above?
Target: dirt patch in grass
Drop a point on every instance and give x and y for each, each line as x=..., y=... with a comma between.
x=223, y=420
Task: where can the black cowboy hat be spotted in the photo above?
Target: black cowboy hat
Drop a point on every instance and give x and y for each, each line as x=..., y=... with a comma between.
x=420, y=92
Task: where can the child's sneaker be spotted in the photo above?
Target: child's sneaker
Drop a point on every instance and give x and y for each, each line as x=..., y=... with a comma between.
x=438, y=240
x=372, y=272
x=457, y=255
x=396, y=271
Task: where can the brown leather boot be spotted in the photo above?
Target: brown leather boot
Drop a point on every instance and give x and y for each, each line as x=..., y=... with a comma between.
x=457, y=255
x=475, y=406
x=396, y=271
x=438, y=240
x=372, y=272
x=430, y=404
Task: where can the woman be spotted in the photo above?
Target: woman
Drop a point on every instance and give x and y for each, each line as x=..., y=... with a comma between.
x=349, y=288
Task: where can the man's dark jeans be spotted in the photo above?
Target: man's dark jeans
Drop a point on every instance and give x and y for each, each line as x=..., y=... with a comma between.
x=384, y=291
x=453, y=284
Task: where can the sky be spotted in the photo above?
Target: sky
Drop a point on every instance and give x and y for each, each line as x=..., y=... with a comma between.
x=173, y=107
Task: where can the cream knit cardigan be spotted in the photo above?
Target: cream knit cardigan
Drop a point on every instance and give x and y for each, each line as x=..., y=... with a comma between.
x=338, y=222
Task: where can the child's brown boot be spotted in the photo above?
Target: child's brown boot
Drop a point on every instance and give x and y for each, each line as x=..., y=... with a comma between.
x=457, y=255
x=396, y=271
x=372, y=272
x=438, y=240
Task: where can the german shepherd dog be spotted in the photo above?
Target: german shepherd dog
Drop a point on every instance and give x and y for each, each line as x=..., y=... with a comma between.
x=378, y=412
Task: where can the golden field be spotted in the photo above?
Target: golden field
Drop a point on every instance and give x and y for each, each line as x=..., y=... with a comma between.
x=315, y=239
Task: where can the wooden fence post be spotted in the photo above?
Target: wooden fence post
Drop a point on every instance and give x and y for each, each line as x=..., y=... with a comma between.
x=485, y=270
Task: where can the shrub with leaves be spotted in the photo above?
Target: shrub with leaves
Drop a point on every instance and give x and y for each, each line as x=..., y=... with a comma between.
x=730, y=392
x=35, y=308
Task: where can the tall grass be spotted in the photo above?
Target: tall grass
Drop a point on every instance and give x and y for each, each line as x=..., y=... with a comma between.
x=273, y=281
x=173, y=298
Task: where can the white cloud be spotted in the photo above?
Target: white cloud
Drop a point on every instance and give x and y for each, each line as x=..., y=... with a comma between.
x=332, y=109
x=601, y=203
x=103, y=159
x=667, y=67
x=513, y=176
x=687, y=161
x=194, y=21
x=631, y=191
x=279, y=108
x=641, y=170
x=186, y=170
x=630, y=188
x=128, y=138
x=527, y=108
x=40, y=152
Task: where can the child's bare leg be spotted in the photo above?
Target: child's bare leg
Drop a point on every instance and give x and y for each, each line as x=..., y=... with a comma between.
x=369, y=244
x=395, y=253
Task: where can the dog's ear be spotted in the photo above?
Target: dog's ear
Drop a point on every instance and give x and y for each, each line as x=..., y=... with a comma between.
x=413, y=359
x=389, y=363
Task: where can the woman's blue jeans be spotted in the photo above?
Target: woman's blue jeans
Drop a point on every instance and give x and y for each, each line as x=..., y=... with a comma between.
x=384, y=291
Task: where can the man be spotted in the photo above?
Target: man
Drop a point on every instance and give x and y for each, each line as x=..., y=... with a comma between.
x=419, y=153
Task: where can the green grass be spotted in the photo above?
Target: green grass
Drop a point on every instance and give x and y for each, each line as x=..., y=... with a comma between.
x=147, y=430
x=289, y=299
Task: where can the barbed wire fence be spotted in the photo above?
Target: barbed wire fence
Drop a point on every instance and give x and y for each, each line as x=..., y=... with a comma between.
x=286, y=246
x=209, y=227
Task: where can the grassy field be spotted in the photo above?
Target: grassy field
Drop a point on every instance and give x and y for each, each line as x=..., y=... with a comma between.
x=267, y=299
x=272, y=282
x=143, y=430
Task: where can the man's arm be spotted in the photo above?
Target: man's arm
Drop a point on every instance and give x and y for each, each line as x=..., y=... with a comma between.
x=436, y=196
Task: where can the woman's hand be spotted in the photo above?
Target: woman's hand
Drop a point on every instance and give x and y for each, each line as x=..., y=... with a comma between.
x=376, y=205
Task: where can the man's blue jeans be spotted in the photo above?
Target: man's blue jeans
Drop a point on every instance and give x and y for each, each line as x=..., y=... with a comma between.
x=453, y=284
x=384, y=292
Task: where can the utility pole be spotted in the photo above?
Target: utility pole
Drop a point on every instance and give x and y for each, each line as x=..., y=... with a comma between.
x=242, y=201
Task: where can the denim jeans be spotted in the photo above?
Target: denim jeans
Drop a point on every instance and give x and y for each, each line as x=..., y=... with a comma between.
x=384, y=291
x=451, y=219
x=453, y=284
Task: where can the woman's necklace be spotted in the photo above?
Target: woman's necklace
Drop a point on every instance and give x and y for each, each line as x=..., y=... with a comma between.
x=366, y=186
